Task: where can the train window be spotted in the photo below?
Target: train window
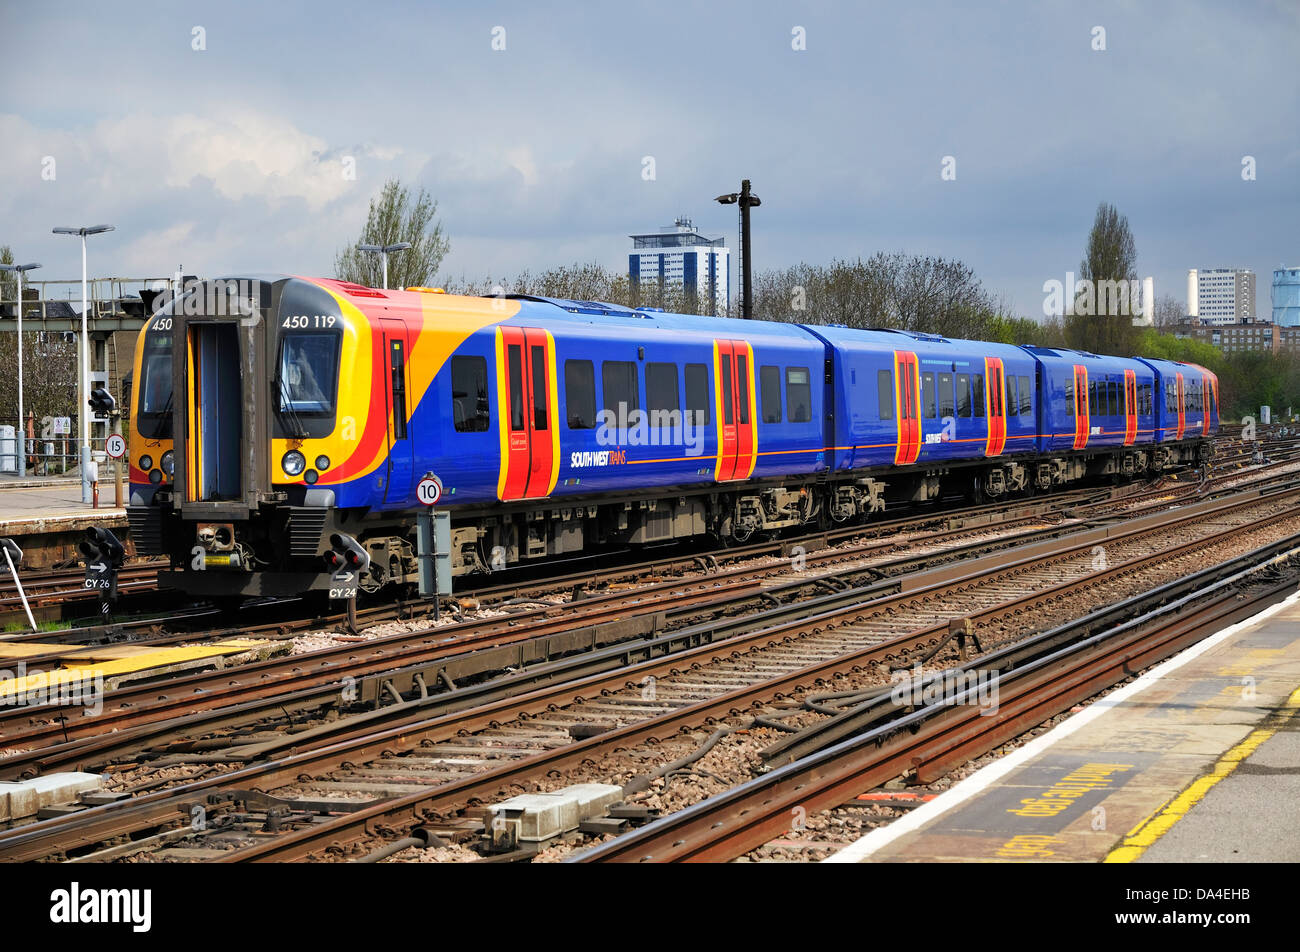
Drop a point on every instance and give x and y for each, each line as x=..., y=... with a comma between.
x=1011, y=404
x=1115, y=405
x=155, y=416
x=539, y=387
x=798, y=394
x=769, y=385
x=977, y=384
x=742, y=388
x=309, y=365
x=1092, y=398
x=1148, y=399
x=728, y=414
x=885, y=393
x=945, y=396
x=397, y=362
x=514, y=359
x=963, y=395
x=697, y=394
x=661, y=388
x=929, y=398
x=619, y=381
x=469, y=394
x=1171, y=396
x=1026, y=396
x=580, y=394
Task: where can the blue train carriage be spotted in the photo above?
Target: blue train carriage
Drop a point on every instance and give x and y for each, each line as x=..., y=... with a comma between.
x=1101, y=414
x=637, y=424
x=930, y=411
x=1186, y=411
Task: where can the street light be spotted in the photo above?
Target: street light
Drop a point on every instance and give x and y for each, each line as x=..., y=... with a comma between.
x=746, y=200
x=83, y=385
x=18, y=270
x=384, y=251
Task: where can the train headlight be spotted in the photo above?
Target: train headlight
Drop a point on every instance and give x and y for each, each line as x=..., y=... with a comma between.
x=155, y=476
x=322, y=463
x=146, y=462
x=168, y=463
x=293, y=463
x=311, y=476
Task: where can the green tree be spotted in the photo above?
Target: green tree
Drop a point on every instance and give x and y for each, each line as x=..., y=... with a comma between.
x=1103, y=312
x=396, y=215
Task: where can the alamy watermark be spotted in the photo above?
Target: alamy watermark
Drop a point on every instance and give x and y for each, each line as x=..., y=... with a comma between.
x=18, y=688
x=950, y=686
x=635, y=427
x=1084, y=297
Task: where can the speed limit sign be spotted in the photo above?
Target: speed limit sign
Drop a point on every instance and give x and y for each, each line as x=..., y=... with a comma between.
x=115, y=446
x=429, y=491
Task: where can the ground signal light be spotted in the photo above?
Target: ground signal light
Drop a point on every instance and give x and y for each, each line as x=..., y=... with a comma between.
x=102, y=544
x=346, y=552
x=101, y=401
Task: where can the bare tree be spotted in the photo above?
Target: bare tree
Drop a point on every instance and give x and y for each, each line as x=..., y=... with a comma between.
x=1169, y=311
x=396, y=216
x=589, y=282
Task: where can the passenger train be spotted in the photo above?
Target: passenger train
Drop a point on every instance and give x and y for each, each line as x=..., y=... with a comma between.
x=275, y=415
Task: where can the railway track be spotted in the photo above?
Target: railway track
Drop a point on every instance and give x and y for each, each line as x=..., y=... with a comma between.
x=1039, y=678
x=57, y=737
x=778, y=658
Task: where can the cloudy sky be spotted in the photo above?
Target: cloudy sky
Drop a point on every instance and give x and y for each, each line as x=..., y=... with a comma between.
x=233, y=157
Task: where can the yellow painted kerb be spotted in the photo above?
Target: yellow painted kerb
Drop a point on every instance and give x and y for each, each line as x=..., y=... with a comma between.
x=1144, y=835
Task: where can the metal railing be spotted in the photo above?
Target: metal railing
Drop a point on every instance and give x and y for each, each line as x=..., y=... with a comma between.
x=54, y=454
x=108, y=299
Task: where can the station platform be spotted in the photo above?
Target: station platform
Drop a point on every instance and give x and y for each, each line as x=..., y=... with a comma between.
x=1198, y=760
x=47, y=518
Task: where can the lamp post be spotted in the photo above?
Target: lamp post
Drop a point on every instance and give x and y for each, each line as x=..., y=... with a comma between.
x=18, y=270
x=746, y=200
x=384, y=251
x=83, y=384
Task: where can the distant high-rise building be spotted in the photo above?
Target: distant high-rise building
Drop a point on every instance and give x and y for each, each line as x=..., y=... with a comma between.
x=1286, y=297
x=678, y=254
x=1223, y=295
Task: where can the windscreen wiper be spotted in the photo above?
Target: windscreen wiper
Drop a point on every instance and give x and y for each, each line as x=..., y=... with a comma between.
x=287, y=410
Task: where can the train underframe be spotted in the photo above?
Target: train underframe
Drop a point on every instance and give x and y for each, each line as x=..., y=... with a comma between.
x=279, y=550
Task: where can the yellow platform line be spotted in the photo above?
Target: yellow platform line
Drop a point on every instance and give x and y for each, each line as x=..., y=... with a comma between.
x=1144, y=835
x=76, y=672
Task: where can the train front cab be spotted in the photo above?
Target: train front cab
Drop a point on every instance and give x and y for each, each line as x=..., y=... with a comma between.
x=150, y=451
x=222, y=517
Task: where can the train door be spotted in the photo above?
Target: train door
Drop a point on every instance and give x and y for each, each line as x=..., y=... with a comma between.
x=907, y=389
x=1182, y=410
x=997, y=409
x=733, y=367
x=1082, y=422
x=1130, y=407
x=215, y=414
x=400, y=450
x=530, y=456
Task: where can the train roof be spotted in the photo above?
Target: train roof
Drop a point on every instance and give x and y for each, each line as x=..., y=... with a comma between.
x=932, y=345
x=602, y=314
